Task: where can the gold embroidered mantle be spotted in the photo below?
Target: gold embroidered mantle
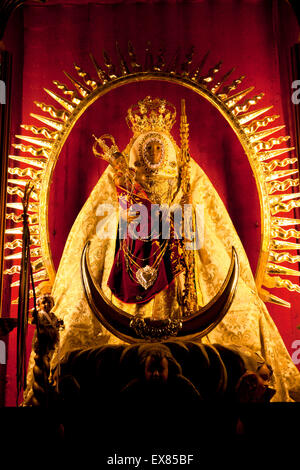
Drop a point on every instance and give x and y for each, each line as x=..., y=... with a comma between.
x=247, y=322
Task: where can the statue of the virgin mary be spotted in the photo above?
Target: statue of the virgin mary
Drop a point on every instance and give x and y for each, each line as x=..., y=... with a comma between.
x=145, y=275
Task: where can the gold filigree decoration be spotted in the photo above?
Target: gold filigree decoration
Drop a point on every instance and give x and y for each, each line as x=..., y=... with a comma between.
x=282, y=185
x=283, y=257
x=284, y=234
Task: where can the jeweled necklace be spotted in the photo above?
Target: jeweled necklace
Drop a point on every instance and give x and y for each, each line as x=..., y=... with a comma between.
x=147, y=275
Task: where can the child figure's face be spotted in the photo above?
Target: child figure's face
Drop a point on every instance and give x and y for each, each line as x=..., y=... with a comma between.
x=44, y=303
x=119, y=163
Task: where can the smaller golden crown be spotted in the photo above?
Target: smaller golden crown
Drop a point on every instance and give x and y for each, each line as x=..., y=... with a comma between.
x=151, y=114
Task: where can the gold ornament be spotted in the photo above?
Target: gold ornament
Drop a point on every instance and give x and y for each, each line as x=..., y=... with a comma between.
x=108, y=151
x=151, y=115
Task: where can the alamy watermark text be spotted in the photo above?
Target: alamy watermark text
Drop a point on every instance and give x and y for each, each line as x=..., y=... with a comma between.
x=2, y=92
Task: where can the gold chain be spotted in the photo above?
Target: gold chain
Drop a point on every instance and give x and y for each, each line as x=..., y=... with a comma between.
x=142, y=259
x=156, y=263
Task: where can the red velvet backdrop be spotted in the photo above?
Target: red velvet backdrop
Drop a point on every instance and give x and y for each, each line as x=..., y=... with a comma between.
x=254, y=36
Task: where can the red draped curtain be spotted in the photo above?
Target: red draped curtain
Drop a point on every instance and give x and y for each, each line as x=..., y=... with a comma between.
x=254, y=36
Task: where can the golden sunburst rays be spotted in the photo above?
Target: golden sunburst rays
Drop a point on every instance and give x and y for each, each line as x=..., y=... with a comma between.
x=280, y=186
x=273, y=166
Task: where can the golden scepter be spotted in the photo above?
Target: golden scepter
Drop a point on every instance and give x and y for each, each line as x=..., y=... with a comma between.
x=190, y=294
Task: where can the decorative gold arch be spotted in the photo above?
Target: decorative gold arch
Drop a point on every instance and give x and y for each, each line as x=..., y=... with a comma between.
x=46, y=144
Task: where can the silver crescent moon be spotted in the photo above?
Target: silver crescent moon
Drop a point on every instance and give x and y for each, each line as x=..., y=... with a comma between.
x=197, y=325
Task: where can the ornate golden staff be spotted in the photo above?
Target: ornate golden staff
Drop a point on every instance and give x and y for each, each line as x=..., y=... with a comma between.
x=23, y=305
x=41, y=369
x=190, y=294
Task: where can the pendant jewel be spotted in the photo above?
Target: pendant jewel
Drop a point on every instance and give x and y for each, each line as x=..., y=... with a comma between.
x=146, y=276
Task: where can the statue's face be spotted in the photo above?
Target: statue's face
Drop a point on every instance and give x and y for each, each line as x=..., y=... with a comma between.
x=156, y=370
x=118, y=162
x=264, y=375
x=153, y=151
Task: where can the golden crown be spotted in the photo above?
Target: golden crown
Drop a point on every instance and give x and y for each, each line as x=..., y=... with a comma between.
x=151, y=114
